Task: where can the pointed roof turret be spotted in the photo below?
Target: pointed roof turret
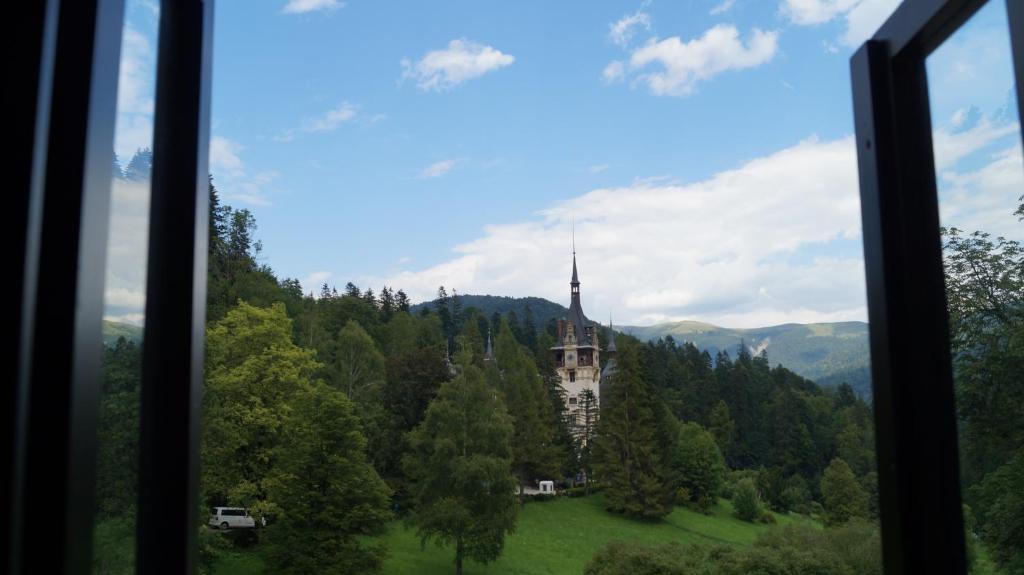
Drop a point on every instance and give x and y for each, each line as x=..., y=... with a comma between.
x=611, y=336
x=575, y=276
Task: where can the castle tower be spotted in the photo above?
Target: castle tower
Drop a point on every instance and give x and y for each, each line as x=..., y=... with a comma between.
x=577, y=354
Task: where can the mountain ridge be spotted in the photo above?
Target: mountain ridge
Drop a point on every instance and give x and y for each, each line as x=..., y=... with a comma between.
x=829, y=353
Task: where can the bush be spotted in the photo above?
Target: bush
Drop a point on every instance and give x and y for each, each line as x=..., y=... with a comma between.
x=633, y=558
x=746, y=502
x=766, y=517
x=852, y=548
x=682, y=496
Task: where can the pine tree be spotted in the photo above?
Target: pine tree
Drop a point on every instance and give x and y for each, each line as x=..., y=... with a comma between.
x=720, y=425
x=325, y=291
x=140, y=166
x=629, y=454
x=402, y=301
x=387, y=304
x=459, y=469
x=534, y=456
x=370, y=298
x=587, y=427
x=352, y=290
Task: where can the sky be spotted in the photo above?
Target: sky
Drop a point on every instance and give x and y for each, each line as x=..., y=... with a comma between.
x=701, y=150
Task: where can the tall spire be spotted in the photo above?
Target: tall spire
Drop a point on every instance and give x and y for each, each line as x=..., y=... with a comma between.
x=489, y=354
x=611, y=335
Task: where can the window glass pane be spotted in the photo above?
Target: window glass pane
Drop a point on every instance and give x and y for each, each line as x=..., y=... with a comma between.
x=981, y=181
x=124, y=299
x=402, y=192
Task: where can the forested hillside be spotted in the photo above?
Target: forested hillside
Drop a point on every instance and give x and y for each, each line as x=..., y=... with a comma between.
x=828, y=353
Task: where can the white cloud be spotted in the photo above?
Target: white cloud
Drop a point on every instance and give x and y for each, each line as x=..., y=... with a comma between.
x=722, y=7
x=335, y=117
x=132, y=318
x=683, y=64
x=125, y=283
x=655, y=250
x=597, y=168
x=786, y=248
x=438, y=169
x=231, y=177
x=224, y=155
x=303, y=6
x=314, y=281
x=614, y=71
x=950, y=147
x=462, y=60
x=984, y=199
x=807, y=12
x=621, y=31
x=865, y=19
x=862, y=17
x=135, y=92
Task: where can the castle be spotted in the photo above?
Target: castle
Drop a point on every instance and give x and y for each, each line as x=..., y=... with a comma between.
x=577, y=356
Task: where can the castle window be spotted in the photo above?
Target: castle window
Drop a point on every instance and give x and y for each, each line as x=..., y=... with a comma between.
x=572, y=401
x=572, y=375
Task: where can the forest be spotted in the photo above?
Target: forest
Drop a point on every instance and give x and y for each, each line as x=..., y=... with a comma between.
x=335, y=414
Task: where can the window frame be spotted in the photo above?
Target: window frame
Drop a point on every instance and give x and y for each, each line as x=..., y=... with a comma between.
x=914, y=404
x=65, y=75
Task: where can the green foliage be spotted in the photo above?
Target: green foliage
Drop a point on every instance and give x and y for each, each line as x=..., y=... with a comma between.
x=253, y=374
x=118, y=430
x=534, y=455
x=325, y=490
x=633, y=444
x=1000, y=498
x=698, y=465
x=358, y=364
x=631, y=558
x=721, y=425
x=843, y=497
x=745, y=500
x=985, y=294
x=114, y=546
x=458, y=465
x=851, y=550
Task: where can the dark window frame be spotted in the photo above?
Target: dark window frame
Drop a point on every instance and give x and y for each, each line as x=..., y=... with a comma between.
x=65, y=78
x=63, y=86
x=912, y=376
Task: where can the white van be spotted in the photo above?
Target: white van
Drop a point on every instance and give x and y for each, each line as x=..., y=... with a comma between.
x=231, y=518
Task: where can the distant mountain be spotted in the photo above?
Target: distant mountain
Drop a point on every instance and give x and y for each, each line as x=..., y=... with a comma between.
x=543, y=310
x=828, y=353
x=113, y=330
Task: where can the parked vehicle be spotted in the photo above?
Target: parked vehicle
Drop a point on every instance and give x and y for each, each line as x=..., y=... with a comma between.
x=231, y=518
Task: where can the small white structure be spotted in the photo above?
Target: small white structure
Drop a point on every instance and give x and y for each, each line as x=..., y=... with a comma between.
x=547, y=487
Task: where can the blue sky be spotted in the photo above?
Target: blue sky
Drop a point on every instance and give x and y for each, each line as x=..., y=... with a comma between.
x=701, y=147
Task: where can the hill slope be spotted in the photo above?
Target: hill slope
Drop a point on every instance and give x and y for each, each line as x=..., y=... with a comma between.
x=543, y=310
x=113, y=330
x=829, y=353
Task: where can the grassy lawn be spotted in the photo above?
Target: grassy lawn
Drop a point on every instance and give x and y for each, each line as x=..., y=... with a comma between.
x=555, y=537
x=562, y=535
